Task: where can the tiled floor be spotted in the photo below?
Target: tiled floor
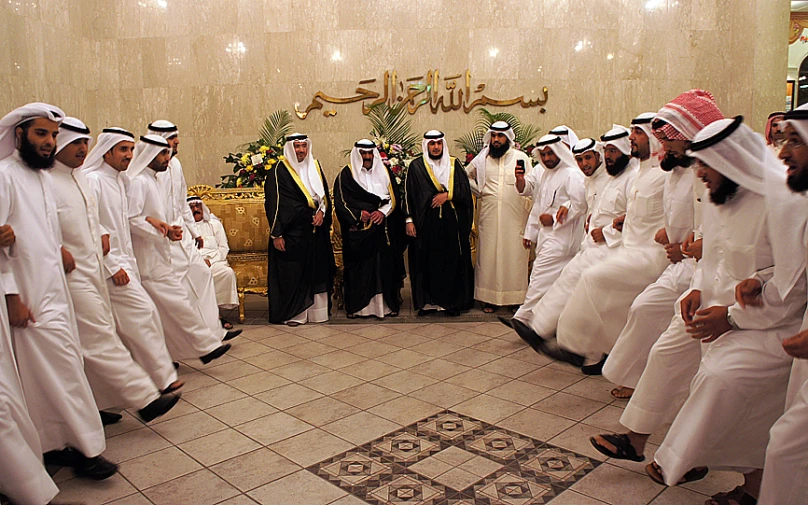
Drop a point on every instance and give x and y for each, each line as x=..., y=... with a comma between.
x=454, y=413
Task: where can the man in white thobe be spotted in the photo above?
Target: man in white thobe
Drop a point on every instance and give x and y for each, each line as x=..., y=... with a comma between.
x=501, y=274
x=651, y=311
x=556, y=221
x=214, y=251
x=196, y=277
x=598, y=308
x=116, y=380
x=568, y=137
x=136, y=317
x=740, y=388
x=23, y=478
x=187, y=337
x=45, y=336
x=785, y=472
x=602, y=238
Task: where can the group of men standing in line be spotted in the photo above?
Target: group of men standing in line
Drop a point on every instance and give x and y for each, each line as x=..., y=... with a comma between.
x=104, y=287
x=688, y=296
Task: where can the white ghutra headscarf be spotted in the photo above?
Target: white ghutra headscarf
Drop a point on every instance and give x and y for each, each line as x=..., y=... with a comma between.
x=306, y=169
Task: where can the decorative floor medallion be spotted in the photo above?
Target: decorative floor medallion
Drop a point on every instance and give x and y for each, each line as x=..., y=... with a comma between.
x=452, y=459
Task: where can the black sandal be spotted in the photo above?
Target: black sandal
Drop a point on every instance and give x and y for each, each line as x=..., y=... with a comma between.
x=227, y=325
x=735, y=497
x=655, y=472
x=622, y=444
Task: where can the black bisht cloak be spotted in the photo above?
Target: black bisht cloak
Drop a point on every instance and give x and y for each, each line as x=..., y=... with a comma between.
x=441, y=271
x=373, y=255
x=307, y=266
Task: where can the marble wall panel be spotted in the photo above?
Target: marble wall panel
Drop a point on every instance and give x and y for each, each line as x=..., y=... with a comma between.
x=218, y=67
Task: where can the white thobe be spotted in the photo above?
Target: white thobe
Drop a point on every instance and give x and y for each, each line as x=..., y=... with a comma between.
x=187, y=336
x=501, y=274
x=116, y=380
x=598, y=307
x=22, y=475
x=188, y=265
x=594, y=186
x=136, y=318
x=550, y=190
x=607, y=206
x=785, y=473
x=650, y=313
x=48, y=351
x=215, y=250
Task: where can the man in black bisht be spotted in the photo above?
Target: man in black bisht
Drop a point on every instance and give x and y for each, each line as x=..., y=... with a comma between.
x=439, y=212
x=301, y=260
x=369, y=213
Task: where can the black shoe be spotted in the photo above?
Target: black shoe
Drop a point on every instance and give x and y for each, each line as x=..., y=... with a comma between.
x=65, y=457
x=96, y=468
x=553, y=350
x=452, y=312
x=506, y=321
x=426, y=312
x=527, y=334
x=158, y=407
x=108, y=418
x=595, y=369
x=216, y=353
x=230, y=335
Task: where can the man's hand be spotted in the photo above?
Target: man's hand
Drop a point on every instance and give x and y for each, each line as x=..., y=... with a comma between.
x=597, y=235
x=692, y=248
x=797, y=346
x=586, y=224
x=617, y=224
x=317, y=220
x=411, y=229
x=748, y=292
x=527, y=244
x=519, y=173
x=68, y=263
x=546, y=220
x=439, y=199
x=6, y=235
x=690, y=304
x=377, y=217
x=105, y=244
x=160, y=226
x=674, y=252
x=279, y=244
x=175, y=233
x=365, y=216
x=120, y=278
x=207, y=262
x=661, y=237
x=561, y=215
x=709, y=324
x=18, y=313
x=200, y=242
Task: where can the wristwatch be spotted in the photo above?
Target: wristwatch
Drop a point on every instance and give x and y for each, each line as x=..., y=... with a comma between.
x=732, y=322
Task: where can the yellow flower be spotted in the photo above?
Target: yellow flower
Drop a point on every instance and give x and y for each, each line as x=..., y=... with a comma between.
x=272, y=162
x=263, y=149
x=248, y=168
x=245, y=158
x=239, y=182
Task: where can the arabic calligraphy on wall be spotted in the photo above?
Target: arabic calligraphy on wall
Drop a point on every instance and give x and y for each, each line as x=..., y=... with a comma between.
x=438, y=94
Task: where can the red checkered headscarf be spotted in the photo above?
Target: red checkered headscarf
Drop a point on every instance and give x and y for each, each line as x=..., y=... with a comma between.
x=686, y=115
x=774, y=116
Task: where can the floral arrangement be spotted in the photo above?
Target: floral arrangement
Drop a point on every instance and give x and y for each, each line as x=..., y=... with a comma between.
x=254, y=160
x=396, y=158
x=472, y=143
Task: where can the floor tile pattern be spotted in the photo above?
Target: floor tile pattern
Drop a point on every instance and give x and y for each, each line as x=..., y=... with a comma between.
x=452, y=459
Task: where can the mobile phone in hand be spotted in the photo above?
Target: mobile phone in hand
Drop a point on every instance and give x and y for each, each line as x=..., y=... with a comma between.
x=520, y=167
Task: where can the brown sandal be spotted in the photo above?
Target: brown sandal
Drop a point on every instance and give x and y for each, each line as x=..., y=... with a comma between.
x=655, y=472
x=735, y=497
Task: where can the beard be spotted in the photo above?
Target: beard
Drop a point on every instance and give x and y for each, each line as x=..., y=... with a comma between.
x=32, y=158
x=798, y=181
x=618, y=166
x=671, y=161
x=499, y=152
x=551, y=164
x=725, y=192
x=436, y=158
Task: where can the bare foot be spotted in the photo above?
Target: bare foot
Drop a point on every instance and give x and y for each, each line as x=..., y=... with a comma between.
x=622, y=393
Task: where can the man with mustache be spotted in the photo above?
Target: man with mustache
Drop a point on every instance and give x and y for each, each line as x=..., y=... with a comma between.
x=40, y=311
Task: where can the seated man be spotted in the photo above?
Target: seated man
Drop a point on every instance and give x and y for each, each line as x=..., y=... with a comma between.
x=214, y=251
